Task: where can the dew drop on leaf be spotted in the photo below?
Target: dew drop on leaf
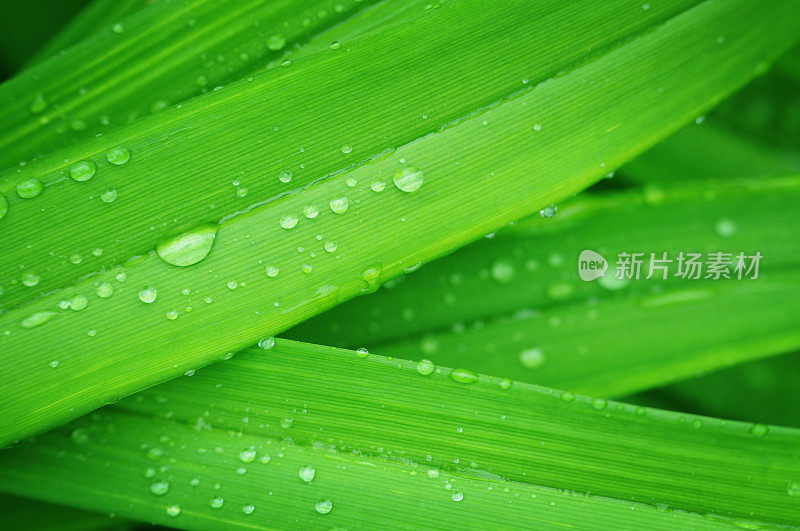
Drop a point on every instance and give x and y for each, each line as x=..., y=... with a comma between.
x=267, y=343
x=307, y=473
x=30, y=278
x=118, y=156
x=82, y=171
x=288, y=221
x=216, y=502
x=408, y=179
x=108, y=196
x=248, y=455
x=324, y=506
x=340, y=204
x=159, y=488
x=36, y=319
x=425, y=367
x=29, y=188
x=463, y=376
x=173, y=510
x=148, y=294
x=3, y=206
x=189, y=247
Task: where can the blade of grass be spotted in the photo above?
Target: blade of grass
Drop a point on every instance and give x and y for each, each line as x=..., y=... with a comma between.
x=237, y=434
x=514, y=305
x=105, y=354
x=154, y=58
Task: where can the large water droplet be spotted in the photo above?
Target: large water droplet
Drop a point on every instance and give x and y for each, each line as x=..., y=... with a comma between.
x=216, y=502
x=108, y=196
x=408, y=179
x=148, y=294
x=267, y=343
x=248, y=455
x=78, y=303
x=425, y=367
x=463, y=376
x=372, y=277
x=105, y=290
x=29, y=188
x=189, y=247
x=340, y=204
x=30, y=279
x=307, y=473
x=323, y=506
x=82, y=171
x=173, y=510
x=159, y=488
x=118, y=156
x=289, y=221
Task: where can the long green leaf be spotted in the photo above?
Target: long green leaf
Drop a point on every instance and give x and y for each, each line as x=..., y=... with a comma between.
x=233, y=445
x=470, y=188
x=156, y=57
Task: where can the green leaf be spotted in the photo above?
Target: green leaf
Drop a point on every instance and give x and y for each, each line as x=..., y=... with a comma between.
x=247, y=432
x=515, y=306
x=156, y=57
x=23, y=513
x=506, y=157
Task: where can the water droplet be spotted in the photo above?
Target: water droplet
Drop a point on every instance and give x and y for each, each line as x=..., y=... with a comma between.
x=372, y=277
x=53, y=364
x=276, y=42
x=216, y=502
x=272, y=271
x=531, y=358
x=118, y=156
x=306, y=268
x=174, y=510
x=324, y=506
x=330, y=246
x=458, y=496
x=285, y=176
x=425, y=367
x=121, y=276
x=433, y=473
x=189, y=247
x=351, y=182
x=82, y=171
x=36, y=319
x=29, y=188
x=287, y=422
x=758, y=430
x=463, y=376
x=598, y=403
x=793, y=489
x=505, y=383
x=288, y=221
x=310, y=211
x=347, y=149
x=172, y=315
x=408, y=179
x=249, y=508
x=502, y=271
x=108, y=196
x=548, y=211
x=340, y=204
x=76, y=259
x=3, y=206
x=378, y=186
x=232, y=284
x=267, y=343
x=362, y=353
x=248, y=455
x=118, y=28
x=155, y=452
x=335, y=45
x=307, y=473
x=104, y=290
x=38, y=104
x=726, y=228
x=159, y=488
x=30, y=279
x=78, y=303
x=148, y=294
